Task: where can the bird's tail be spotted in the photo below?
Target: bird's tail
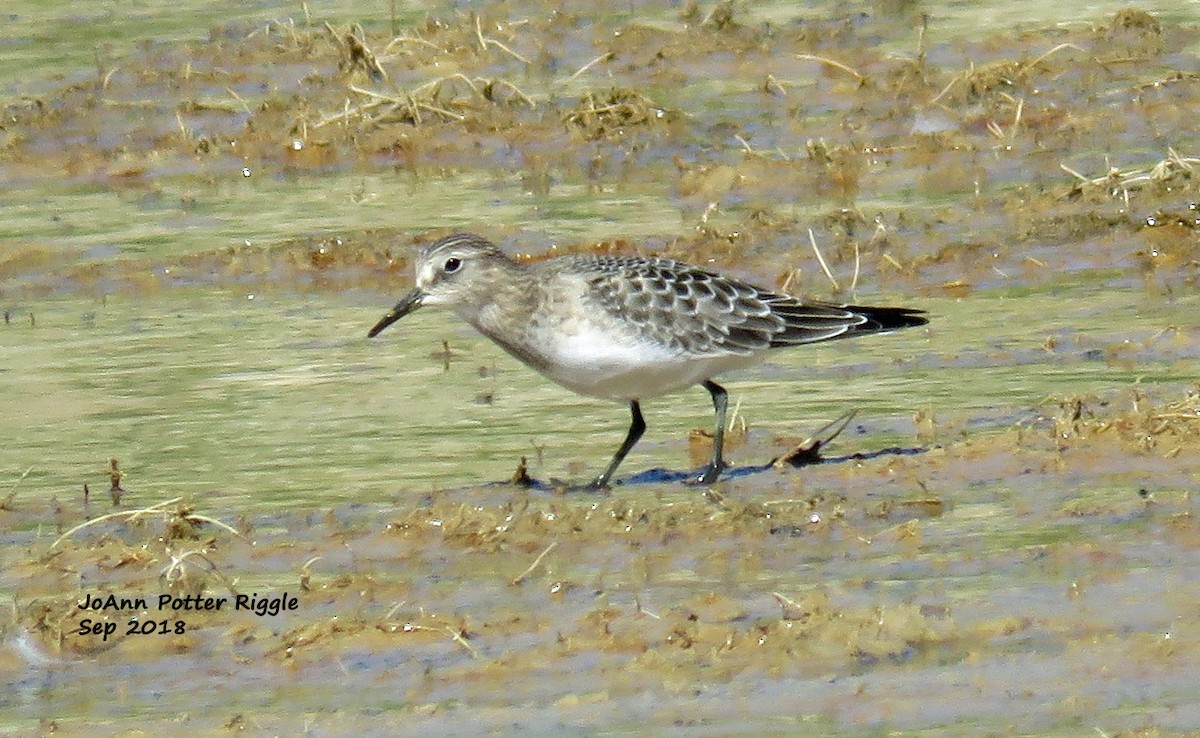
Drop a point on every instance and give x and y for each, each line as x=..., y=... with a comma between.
x=882, y=319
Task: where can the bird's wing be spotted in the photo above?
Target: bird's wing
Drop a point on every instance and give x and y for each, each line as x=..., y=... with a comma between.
x=701, y=313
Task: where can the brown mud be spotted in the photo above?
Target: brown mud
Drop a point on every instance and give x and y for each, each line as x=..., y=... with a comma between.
x=1033, y=569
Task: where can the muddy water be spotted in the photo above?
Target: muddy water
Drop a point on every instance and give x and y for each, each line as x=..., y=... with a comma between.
x=197, y=230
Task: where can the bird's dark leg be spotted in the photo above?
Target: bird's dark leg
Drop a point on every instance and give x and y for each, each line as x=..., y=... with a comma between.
x=716, y=464
x=636, y=428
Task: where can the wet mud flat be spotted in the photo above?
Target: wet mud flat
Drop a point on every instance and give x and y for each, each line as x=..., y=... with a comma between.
x=966, y=588
x=1030, y=567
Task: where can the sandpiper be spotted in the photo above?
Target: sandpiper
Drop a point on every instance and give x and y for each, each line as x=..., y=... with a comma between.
x=627, y=328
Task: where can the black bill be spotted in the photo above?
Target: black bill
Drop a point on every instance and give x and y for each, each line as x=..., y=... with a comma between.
x=407, y=304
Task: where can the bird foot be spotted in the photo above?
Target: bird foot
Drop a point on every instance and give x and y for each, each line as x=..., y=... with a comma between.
x=709, y=475
x=599, y=485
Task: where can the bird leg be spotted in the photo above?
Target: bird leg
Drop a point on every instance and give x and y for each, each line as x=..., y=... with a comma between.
x=716, y=464
x=636, y=428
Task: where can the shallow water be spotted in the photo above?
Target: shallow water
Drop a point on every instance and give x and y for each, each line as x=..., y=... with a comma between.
x=268, y=399
x=1009, y=519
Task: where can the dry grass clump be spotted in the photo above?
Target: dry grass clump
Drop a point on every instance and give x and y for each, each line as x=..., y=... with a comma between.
x=527, y=527
x=1168, y=174
x=119, y=555
x=1170, y=260
x=609, y=115
x=456, y=98
x=712, y=635
x=1167, y=429
x=1132, y=34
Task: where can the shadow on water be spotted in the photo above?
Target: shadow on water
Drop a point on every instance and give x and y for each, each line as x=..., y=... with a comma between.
x=659, y=475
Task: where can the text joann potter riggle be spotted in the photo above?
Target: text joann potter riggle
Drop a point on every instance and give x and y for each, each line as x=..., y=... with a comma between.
x=260, y=606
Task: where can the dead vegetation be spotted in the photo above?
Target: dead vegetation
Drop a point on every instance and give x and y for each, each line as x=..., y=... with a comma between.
x=484, y=92
x=1171, y=174
x=610, y=115
x=800, y=152
x=710, y=631
x=1167, y=429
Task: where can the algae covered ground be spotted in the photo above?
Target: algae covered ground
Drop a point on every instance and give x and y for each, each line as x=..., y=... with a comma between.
x=223, y=509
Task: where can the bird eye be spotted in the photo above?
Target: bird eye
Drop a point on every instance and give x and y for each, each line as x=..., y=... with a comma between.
x=452, y=265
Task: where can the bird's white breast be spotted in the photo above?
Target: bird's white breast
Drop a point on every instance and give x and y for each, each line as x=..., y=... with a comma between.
x=588, y=350
x=606, y=361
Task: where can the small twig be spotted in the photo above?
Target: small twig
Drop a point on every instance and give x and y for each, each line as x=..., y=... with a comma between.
x=1012, y=130
x=183, y=129
x=831, y=430
x=509, y=51
x=787, y=603
x=455, y=635
x=479, y=34
x=352, y=46
x=1074, y=173
x=857, y=264
x=787, y=281
x=997, y=130
x=239, y=99
x=813, y=240
x=770, y=83
x=441, y=111
x=462, y=641
x=305, y=574
x=409, y=39
x=518, y=92
x=880, y=233
x=809, y=450
x=484, y=41
x=892, y=260
x=211, y=521
x=598, y=60
x=921, y=39
x=737, y=406
x=836, y=64
x=1049, y=53
x=12, y=492
x=134, y=514
x=348, y=111
x=372, y=93
x=953, y=81
x=521, y=577
x=177, y=562
x=433, y=86
x=637, y=602
x=416, y=111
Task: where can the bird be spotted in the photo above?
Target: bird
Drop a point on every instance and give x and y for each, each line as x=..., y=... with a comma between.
x=627, y=328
